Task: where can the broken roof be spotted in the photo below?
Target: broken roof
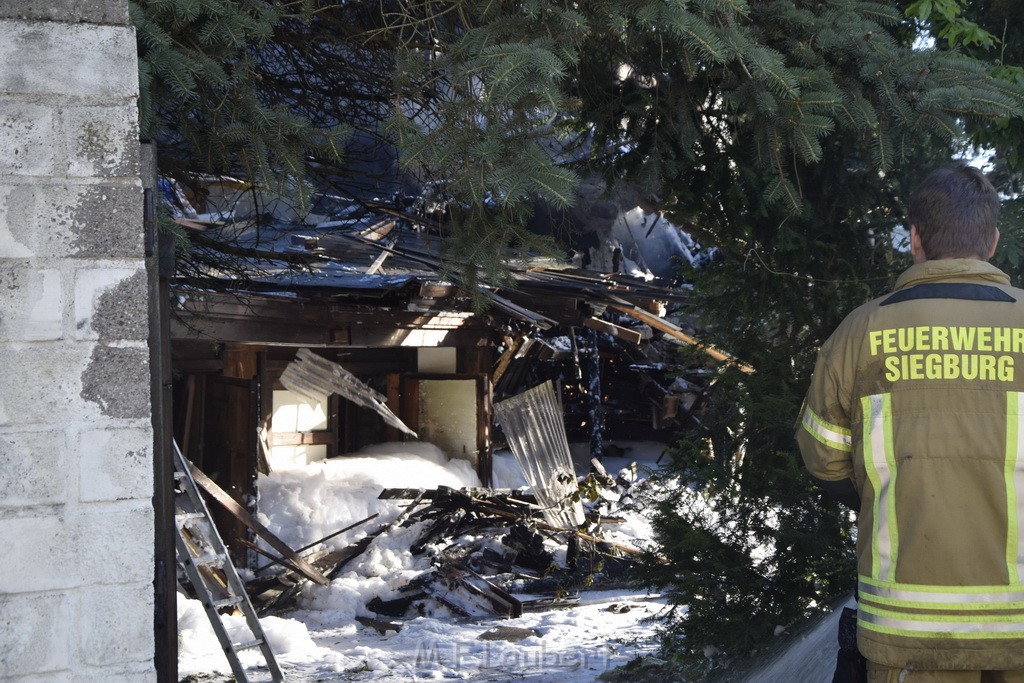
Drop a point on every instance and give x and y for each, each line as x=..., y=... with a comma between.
x=372, y=257
x=373, y=265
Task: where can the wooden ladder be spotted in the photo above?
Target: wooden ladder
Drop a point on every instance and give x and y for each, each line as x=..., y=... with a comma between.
x=202, y=554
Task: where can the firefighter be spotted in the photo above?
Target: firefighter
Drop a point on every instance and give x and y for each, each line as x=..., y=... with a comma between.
x=914, y=418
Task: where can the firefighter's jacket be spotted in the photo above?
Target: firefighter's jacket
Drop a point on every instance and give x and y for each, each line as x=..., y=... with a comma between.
x=918, y=397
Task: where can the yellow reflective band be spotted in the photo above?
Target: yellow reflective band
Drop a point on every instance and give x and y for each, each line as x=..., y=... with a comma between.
x=880, y=464
x=958, y=626
x=831, y=435
x=1013, y=475
x=949, y=598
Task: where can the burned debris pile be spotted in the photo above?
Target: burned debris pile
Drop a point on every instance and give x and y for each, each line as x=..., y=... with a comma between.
x=492, y=553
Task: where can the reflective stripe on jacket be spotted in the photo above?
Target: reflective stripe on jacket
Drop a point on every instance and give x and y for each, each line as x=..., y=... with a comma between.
x=918, y=397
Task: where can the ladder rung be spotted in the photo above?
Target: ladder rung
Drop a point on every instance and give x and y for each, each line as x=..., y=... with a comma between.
x=233, y=600
x=200, y=546
x=207, y=560
x=182, y=517
x=246, y=646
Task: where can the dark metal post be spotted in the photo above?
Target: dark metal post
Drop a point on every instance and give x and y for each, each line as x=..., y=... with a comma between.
x=159, y=268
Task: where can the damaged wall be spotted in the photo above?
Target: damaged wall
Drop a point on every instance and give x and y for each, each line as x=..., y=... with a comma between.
x=76, y=570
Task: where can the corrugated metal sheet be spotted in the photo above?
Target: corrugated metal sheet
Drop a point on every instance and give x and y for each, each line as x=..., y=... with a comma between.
x=313, y=377
x=535, y=429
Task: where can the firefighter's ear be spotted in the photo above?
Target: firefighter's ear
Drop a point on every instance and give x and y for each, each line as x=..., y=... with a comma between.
x=916, y=250
x=992, y=249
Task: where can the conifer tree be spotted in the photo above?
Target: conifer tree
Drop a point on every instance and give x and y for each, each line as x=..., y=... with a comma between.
x=200, y=94
x=991, y=32
x=786, y=135
x=783, y=133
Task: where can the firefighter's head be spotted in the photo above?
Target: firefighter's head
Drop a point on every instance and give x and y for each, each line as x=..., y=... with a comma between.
x=953, y=214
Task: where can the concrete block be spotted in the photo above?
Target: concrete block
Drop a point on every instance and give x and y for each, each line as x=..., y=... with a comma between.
x=42, y=382
x=35, y=634
x=31, y=304
x=85, y=61
x=91, y=546
x=81, y=220
x=111, y=303
x=106, y=222
x=26, y=137
x=115, y=547
x=68, y=11
x=39, y=554
x=49, y=383
x=101, y=141
x=108, y=637
x=115, y=464
x=87, y=221
x=117, y=380
x=17, y=208
x=33, y=468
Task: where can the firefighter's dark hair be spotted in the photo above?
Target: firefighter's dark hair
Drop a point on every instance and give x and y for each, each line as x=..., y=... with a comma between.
x=955, y=210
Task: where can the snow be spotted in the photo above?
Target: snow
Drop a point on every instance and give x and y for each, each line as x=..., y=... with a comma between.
x=321, y=640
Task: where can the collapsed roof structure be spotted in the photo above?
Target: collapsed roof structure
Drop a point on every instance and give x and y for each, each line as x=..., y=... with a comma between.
x=370, y=291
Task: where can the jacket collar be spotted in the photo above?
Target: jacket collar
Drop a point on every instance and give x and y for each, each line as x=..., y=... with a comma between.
x=954, y=269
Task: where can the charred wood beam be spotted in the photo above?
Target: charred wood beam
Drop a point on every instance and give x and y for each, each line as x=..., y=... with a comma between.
x=231, y=505
x=621, y=333
x=504, y=361
x=281, y=333
x=675, y=332
x=471, y=496
x=590, y=367
x=292, y=258
x=381, y=627
x=499, y=302
x=505, y=604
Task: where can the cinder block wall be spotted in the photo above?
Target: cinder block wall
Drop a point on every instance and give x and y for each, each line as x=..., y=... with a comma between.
x=76, y=519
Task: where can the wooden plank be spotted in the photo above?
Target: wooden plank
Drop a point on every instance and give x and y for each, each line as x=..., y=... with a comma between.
x=382, y=627
x=379, y=261
x=410, y=405
x=329, y=536
x=270, y=556
x=317, y=438
x=229, y=448
x=334, y=418
x=674, y=331
x=436, y=290
x=240, y=513
x=394, y=403
x=241, y=361
x=379, y=231
x=334, y=561
x=190, y=404
x=505, y=359
x=485, y=417
x=621, y=333
x=516, y=311
x=505, y=603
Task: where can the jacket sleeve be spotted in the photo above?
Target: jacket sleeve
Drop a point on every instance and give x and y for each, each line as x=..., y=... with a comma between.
x=823, y=432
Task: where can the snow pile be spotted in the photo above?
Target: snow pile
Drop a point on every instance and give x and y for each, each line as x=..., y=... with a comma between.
x=324, y=640
x=303, y=505
x=199, y=650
